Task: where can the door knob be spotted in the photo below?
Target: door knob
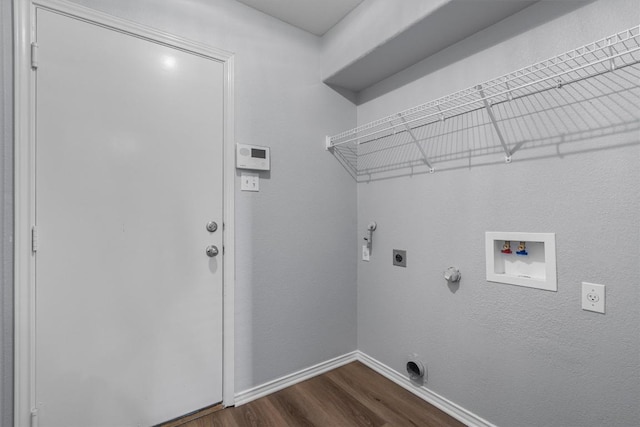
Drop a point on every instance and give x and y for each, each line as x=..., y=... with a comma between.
x=212, y=251
x=212, y=226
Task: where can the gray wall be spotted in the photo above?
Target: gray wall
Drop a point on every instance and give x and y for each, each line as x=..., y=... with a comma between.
x=515, y=356
x=296, y=274
x=6, y=216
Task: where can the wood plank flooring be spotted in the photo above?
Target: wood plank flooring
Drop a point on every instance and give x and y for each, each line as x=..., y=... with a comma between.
x=352, y=395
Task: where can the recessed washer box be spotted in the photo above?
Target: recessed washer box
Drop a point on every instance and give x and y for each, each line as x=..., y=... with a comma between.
x=533, y=267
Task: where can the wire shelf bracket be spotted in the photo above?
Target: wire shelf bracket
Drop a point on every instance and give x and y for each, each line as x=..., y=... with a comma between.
x=487, y=106
x=417, y=143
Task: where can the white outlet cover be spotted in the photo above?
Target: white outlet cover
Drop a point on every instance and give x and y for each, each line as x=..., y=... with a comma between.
x=593, y=297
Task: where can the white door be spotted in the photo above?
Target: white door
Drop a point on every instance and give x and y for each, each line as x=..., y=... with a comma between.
x=128, y=174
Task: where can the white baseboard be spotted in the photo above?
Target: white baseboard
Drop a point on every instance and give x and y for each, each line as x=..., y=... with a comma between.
x=442, y=403
x=294, y=378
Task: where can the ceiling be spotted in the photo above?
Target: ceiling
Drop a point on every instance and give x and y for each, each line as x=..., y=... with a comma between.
x=448, y=23
x=314, y=16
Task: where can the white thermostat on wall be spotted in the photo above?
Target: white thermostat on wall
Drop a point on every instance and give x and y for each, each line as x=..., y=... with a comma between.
x=252, y=157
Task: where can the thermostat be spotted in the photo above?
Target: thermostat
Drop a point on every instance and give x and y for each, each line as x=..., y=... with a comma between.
x=252, y=157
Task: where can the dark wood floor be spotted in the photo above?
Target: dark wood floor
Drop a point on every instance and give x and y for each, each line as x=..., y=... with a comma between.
x=352, y=395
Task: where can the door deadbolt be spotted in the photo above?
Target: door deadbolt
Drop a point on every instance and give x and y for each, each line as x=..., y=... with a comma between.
x=212, y=251
x=212, y=226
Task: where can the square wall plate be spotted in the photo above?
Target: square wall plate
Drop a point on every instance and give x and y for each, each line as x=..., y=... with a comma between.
x=400, y=258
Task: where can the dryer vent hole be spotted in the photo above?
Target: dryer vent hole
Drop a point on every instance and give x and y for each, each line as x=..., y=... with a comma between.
x=414, y=370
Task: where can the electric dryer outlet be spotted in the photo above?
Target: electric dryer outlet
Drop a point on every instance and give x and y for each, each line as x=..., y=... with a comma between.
x=593, y=297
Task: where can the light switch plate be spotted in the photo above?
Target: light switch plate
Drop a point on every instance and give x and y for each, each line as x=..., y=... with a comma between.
x=366, y=255
x=593, y=297
x=249, y=181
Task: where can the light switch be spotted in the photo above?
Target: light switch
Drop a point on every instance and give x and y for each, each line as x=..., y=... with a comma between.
x=249, y=181
x=366, y=254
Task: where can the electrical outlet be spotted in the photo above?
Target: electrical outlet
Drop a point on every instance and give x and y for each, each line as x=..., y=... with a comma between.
x=400, y=257
x=593, y=297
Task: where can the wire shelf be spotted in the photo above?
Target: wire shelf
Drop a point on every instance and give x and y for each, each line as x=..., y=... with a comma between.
x=556, y=97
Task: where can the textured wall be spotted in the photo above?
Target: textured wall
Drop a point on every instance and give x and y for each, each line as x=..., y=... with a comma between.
x=296, y=274
x=515, y=356
x=6, y=216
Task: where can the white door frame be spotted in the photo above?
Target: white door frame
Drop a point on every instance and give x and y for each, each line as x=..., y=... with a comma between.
x=24, y=189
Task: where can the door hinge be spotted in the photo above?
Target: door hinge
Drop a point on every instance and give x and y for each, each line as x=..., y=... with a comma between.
x=34, y=56
x=34, y=239
x=34, y=417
